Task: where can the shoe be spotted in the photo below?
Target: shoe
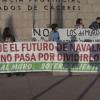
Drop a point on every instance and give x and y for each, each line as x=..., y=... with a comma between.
x=20, y=74
x=9, y=74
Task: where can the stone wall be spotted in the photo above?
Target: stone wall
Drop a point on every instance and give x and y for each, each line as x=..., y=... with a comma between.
x=22, y=15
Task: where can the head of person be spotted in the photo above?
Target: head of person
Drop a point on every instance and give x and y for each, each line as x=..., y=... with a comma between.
x=79, y=21
x=98, y=19
x=54, y=27
x=7, y=32
x=7, y=35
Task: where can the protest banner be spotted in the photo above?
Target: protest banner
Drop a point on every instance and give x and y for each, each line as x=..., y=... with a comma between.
x=67, y=34
x=49, y=56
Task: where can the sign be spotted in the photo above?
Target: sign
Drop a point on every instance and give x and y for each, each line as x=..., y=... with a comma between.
x=30, y=5
x=70, y=34
x=49, y=56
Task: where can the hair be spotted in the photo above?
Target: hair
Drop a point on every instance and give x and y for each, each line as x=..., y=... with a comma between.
x=53, y=26
x=78, y=21
x=98, y=18
x=7, y=34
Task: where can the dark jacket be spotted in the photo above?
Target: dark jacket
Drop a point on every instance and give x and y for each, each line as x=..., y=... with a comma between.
x=94, y=25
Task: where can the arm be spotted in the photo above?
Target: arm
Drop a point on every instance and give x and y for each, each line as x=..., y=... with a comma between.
x=92, y=26
x=58, y=36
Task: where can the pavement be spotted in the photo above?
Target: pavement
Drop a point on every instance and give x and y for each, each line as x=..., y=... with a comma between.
x=46, y=86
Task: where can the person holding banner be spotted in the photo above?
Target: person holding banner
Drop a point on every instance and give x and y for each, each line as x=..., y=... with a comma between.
x=9, y=37
x=79, y=23
x=95, y=24
x=54, y=35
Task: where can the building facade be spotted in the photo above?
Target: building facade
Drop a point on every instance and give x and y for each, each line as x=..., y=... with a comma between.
x=22, y=15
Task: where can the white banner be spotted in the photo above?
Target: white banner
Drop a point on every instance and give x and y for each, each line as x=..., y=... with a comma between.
x=48, y=56
x=70, y=52
x=70, y=34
